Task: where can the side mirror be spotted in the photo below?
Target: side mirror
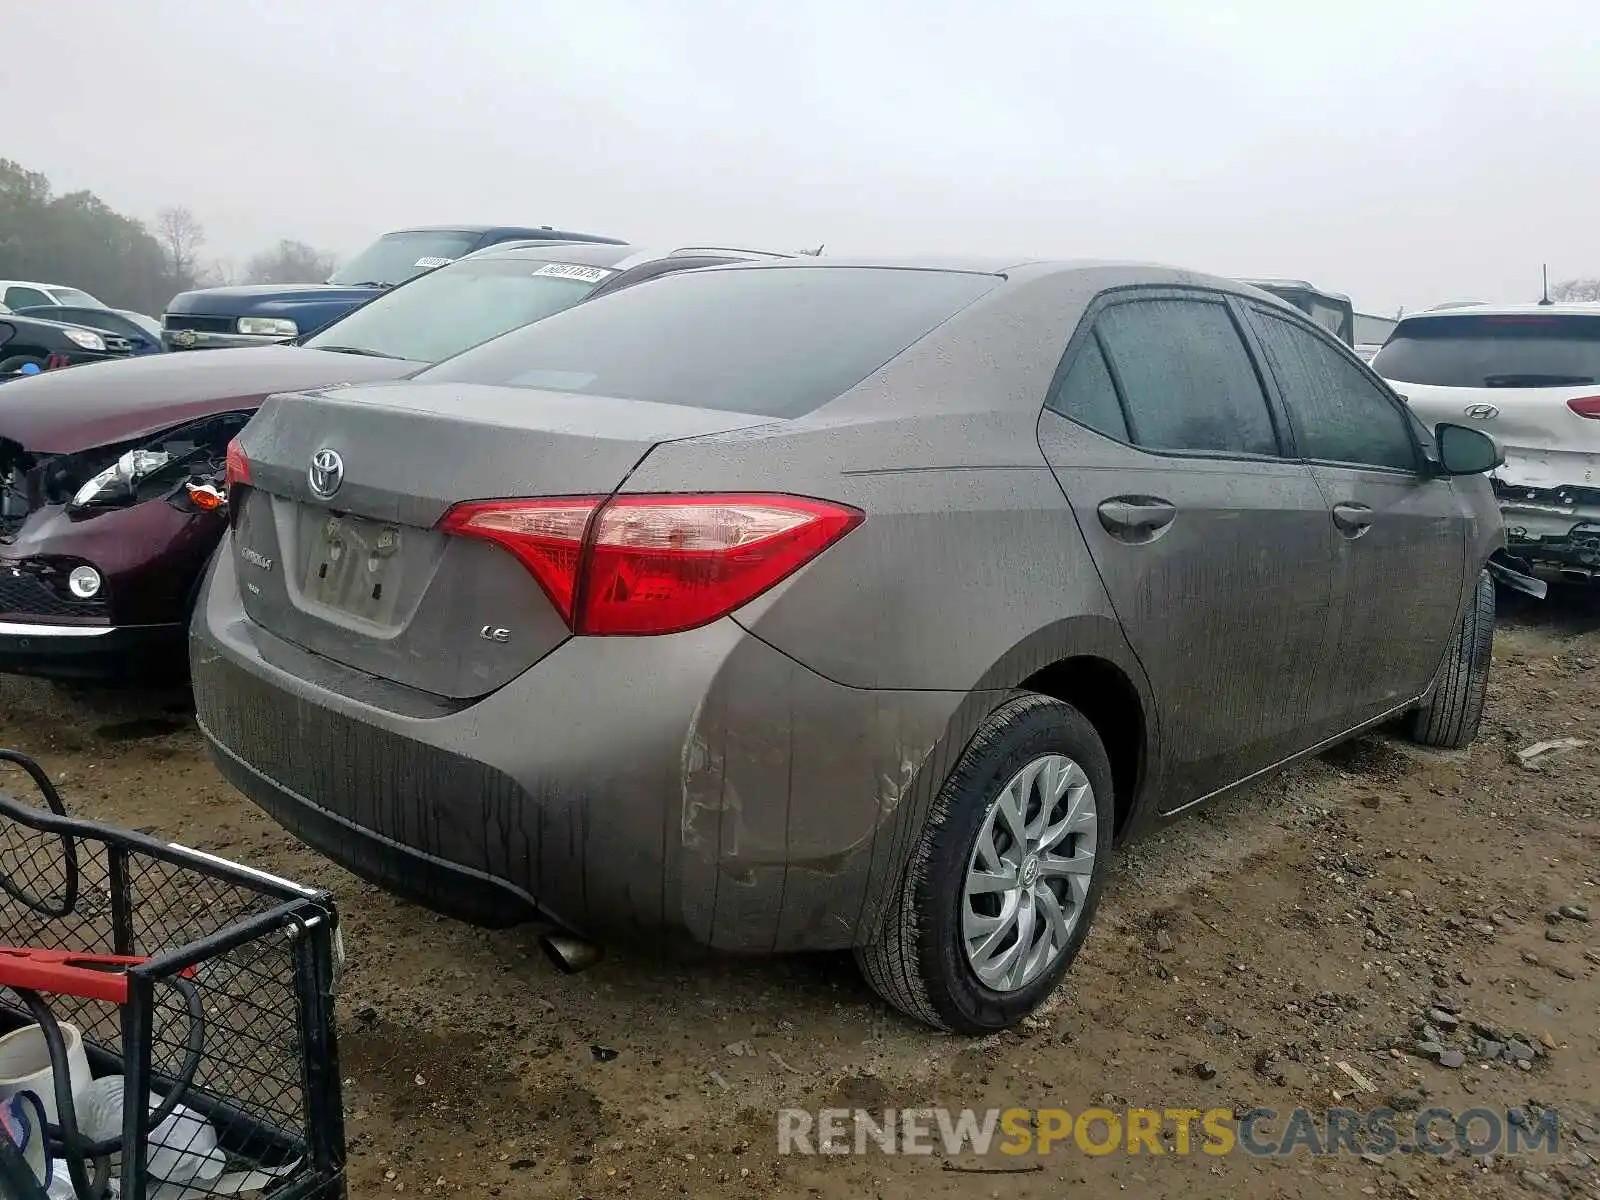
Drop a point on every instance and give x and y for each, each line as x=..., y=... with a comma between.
x=1466, y=451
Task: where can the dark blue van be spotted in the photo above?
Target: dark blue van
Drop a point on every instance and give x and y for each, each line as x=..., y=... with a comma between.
x=260, y=314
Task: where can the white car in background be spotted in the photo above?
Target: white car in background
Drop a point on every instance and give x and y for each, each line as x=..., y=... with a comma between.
x=23, y=293
x=1529, y=374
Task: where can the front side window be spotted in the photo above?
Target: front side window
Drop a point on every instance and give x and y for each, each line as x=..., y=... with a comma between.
x=774, y=341
x=458, y=307
x=1339, y=414
x=1186, y=377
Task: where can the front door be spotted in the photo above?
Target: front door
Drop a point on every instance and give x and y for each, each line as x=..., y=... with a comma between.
x=1212, y=545
x=1400, y=534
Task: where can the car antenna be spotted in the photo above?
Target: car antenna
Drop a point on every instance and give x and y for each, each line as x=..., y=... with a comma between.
x=1546, y=299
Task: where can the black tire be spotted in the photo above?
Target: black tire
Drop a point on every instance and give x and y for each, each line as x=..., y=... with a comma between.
x=10, y=366
x=1449, y=717
x=918, y=962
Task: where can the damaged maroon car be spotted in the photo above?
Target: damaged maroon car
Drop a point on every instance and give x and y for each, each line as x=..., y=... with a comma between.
x=112, y=475
x=111, y=505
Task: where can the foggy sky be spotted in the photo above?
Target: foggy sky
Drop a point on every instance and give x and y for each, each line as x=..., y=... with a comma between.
x=1404, y=151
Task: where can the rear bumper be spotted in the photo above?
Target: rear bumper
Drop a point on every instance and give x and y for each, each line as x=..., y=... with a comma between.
x=701, y=786
x=1553, y=527
x=90, y=653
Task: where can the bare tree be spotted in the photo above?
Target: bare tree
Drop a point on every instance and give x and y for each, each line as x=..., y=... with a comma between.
x=1576, y=289
x=219, y=272
x=289, y=262
x=181, y=236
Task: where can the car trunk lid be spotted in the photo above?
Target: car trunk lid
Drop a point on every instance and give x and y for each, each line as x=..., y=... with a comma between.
x=364, y=577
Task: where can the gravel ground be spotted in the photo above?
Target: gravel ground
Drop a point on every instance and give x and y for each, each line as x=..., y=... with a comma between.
x=1240, y=956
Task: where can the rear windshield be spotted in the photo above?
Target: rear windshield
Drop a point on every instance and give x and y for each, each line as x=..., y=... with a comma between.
x=397, y=257
x=459, y=306
x=66, y=295
x=1520, y=350
x=774, y=341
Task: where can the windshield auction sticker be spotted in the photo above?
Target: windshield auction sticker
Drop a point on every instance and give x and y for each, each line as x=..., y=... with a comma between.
x=574, y=271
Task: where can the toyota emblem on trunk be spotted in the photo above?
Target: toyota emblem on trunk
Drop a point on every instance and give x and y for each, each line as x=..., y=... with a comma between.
x=326, y=474
x=1482, y=412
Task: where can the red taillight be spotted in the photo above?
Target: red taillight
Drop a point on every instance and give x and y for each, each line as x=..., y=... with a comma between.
x=1586, y=406
x=655, y=564
x=237, y=469
x=546, y=535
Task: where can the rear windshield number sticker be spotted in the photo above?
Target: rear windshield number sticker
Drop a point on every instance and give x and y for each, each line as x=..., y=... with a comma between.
x=573, y=271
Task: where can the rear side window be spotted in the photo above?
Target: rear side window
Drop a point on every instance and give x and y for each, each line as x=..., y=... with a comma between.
x=1186, y=377
x=773, y=341
x=24, y=297
x=1087, y=395
x=1514, y=350
x=1339, y=415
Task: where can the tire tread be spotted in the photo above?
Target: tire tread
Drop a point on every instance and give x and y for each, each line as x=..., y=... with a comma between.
x=891, y=963
x=1450, y=717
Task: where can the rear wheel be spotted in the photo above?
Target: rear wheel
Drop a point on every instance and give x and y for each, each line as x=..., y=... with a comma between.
x=1450, y=716
x=1003, y=883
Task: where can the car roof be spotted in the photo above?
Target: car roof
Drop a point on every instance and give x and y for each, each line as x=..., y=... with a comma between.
x=1569, y=308
x=529, y=231
x=34, y=283
x=1299, y=285
x=1133, y=272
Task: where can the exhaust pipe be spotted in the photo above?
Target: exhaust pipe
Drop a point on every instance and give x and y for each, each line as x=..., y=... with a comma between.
x=570, y=954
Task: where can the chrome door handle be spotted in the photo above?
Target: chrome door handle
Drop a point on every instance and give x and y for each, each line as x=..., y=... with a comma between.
x=1352, y=519
x=1137, y=514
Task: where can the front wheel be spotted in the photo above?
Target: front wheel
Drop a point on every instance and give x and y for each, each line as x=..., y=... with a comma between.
x=1449, y=717
x=1003, y=883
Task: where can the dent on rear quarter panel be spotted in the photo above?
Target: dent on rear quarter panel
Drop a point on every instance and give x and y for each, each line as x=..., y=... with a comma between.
x=790, y=786
x=814, y=760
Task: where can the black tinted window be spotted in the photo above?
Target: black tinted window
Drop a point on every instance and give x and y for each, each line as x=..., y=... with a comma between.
x=24, y=297
x=1086, y=394
x=776, y=341
x=1339, y=415
x=1186, y=377
x=1519, y=350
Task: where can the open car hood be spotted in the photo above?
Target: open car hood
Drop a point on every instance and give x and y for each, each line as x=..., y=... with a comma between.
x=65, y=411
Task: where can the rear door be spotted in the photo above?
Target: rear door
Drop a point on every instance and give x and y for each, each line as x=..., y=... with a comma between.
x=1400, y=532
x=1213, y=546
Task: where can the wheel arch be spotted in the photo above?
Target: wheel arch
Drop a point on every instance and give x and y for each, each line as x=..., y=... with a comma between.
x=1084, y=661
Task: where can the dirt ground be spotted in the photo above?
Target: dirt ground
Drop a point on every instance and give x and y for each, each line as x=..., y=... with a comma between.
x=1240, y=956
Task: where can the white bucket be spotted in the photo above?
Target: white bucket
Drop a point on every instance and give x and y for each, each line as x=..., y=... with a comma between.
x=25, y=1066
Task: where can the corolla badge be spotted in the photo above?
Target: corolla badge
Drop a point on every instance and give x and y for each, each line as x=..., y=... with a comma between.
x=1482, y=412
x=326, y=474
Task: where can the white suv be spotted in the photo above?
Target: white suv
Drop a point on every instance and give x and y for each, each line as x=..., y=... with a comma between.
x=1530, y=375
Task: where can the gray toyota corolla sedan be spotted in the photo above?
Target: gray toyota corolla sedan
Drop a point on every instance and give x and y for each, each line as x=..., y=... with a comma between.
x=827, y=604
